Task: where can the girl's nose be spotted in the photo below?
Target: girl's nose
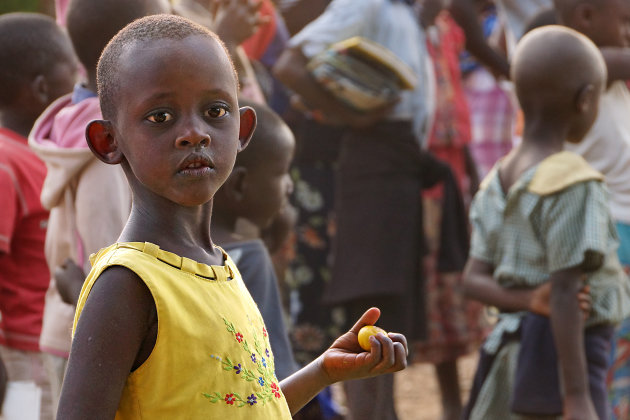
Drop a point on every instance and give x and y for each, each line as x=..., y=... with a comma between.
x=194, y=134
x=193, y=140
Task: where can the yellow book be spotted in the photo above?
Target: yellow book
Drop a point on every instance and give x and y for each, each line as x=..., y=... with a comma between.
x=371, y=51
x=361, y=73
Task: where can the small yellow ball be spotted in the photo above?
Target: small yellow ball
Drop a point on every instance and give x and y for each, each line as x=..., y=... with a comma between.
x=365, y=333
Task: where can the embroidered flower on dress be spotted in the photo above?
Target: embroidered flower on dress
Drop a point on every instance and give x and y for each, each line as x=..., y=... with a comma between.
x=229, y=399
x=262, y=373
x=275, y=390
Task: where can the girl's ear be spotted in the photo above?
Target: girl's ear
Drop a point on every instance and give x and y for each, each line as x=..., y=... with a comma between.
x=586, y=99
x=248, y=125
x=39, y=89
x=102, y=141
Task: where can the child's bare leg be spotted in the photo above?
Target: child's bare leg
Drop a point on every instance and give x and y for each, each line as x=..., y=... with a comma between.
x=448, y=380
x=371, y=398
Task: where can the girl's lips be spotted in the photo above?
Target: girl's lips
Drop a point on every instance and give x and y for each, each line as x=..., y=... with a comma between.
x=196, y=164
x=196, y=172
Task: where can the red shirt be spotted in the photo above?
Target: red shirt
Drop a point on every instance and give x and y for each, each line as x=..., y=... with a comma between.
x=256, y=45
x=24, y=275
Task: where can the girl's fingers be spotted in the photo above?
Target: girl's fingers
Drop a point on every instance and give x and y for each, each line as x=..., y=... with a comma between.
x=376, y=350
x=399, y=338
x=368, y=318
x=401, y=356
x=388, y=356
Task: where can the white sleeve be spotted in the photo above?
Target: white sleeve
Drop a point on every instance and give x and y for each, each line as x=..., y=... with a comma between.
x=342, y=19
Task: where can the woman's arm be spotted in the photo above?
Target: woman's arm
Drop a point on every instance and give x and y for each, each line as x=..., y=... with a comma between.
x=111, y=330
x=345, y=360
x=464, y=13
x=291, y=70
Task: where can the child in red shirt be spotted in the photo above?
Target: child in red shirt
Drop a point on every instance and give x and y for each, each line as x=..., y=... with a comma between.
x=38, y=66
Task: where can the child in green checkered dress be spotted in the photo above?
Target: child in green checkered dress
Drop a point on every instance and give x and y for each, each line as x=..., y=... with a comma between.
x=541, y=224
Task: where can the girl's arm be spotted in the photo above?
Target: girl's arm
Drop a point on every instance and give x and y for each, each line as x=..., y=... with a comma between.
x=480, y=285
x=464, y=13
x=471, y=171
x=113, y=325
x=345, y=360
x=567, y=324
x=617, y=62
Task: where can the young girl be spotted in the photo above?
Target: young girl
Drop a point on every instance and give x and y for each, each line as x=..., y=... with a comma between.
x=165, y=327
x=542, y=216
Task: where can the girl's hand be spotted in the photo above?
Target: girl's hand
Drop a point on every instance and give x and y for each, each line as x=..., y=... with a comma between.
x=236, y=20
x=69, y=279
x=345, y=359
x=539, y=302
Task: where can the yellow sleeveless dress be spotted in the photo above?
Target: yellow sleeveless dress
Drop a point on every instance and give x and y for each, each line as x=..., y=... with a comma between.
x=212, y=358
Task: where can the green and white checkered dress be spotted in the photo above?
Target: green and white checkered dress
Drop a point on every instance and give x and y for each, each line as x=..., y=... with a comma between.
x=527, y=235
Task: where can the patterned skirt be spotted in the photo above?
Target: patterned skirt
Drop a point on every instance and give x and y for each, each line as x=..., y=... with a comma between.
x=455, y=325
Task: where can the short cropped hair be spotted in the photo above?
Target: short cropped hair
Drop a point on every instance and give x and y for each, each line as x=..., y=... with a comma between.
x=30, y=44
x=150, y=28
x=92, y=23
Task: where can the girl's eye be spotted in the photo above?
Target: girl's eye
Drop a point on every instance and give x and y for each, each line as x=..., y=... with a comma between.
x=216, y=112
x=160, y=117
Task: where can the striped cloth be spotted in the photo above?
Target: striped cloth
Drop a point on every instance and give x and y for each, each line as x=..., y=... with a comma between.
x=491, y=117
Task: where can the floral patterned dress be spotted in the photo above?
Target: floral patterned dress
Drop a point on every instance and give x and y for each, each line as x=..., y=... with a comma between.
x=314, y=325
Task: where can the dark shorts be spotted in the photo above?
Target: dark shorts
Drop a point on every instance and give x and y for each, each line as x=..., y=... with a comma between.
x=537, y=384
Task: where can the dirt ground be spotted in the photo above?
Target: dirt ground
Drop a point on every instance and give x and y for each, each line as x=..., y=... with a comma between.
x=418, y=393
x=418, y=396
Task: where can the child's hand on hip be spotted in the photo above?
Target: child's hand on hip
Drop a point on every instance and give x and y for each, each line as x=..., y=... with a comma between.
x=539, y=302
x=346, y=360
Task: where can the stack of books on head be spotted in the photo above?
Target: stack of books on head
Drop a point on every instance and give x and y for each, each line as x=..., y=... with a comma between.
x=361, y=73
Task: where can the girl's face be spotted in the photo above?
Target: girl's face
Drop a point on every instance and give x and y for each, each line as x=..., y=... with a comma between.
x=268, y=182
x=177, y=123
x=610, y=24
